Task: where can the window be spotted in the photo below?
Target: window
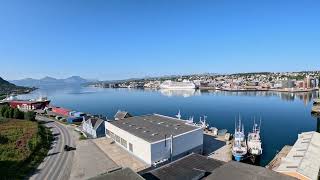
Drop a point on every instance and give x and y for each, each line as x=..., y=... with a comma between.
x=117, y=138
x=130, y=147
x=124, y=143
x=111, y=135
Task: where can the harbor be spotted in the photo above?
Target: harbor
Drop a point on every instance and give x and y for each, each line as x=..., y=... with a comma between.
x=103, y=135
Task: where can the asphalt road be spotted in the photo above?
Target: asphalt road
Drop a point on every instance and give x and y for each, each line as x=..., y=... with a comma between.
x=57, y=165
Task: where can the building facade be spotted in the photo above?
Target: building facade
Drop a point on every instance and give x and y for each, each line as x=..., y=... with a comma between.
x=156, y=138
x=94, y=127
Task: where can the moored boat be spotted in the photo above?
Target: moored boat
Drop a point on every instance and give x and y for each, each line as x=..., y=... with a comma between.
x=239, y=147
x=254, y=141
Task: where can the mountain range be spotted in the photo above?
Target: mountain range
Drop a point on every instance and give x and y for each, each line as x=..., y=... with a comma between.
x=50, y=81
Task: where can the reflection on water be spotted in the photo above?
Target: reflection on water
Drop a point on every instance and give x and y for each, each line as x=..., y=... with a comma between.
x=179, y=92
x=306, y=97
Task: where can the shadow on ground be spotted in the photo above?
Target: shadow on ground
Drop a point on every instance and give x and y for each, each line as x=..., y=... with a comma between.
x=210, y=144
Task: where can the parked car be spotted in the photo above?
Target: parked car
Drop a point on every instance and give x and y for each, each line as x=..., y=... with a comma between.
x=69, y=148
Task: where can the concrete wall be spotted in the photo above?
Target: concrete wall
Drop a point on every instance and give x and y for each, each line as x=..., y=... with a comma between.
x=141, y=148
x=182, y=144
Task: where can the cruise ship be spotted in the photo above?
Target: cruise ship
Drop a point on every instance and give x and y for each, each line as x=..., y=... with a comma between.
x=185, y=84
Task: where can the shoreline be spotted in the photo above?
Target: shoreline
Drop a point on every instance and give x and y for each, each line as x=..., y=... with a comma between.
x=230, y=90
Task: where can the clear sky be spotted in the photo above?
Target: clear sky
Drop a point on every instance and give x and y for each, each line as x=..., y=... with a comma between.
x=117, y=39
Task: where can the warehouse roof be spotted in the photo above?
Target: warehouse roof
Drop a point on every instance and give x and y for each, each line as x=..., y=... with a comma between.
x=193, y=166
x=242, y=171
x=153, y=127
x=122, y=174
x=304, y=156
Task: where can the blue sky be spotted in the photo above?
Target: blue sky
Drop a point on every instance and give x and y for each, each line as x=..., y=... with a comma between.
x=117, y=39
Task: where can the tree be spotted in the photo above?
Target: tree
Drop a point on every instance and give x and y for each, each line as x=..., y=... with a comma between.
x=30, y=115
x=11, y=112
x=6, y=113
x=17, y=114
x=3, y=110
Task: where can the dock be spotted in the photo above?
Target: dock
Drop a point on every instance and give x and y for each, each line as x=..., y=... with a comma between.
x=316, y=109
x=316, y=102
x=277, y=159
x=216, y=147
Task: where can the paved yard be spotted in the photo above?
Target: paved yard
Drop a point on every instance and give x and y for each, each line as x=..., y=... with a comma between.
x=119, y=155
x=89, y=161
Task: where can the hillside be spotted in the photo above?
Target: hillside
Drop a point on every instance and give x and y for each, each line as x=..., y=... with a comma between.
x=9, y=88
x=23, y=146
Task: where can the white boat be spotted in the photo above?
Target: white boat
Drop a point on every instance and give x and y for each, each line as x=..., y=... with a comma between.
x=254, y=141
x=239, y=147
x=202, y=123
x=185, y=84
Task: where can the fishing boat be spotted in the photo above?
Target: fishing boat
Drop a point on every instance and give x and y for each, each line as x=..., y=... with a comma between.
x=254, y=141
x=202, y=123
x=239, y=147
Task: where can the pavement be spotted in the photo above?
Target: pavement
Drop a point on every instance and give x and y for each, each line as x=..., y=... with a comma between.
x=119, y=155
x=217, y=147
x=58, y=163
x=89, y=161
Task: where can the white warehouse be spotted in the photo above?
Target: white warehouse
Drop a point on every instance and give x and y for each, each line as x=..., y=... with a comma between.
x=156, y=138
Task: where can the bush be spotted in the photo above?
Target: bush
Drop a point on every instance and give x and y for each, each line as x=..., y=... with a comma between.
x=17, y=114
x=30, y=115
x=9, y=112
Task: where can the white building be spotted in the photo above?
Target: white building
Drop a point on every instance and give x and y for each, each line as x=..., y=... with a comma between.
x=303, y=160
x=156, y=138
x=93, y=127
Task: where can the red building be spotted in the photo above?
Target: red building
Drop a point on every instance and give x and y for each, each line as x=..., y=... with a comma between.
x=61, y=111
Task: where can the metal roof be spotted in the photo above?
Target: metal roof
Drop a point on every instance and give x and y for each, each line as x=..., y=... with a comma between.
x=304, y=156
x=122, y=174
x=155, y=127
x=193, y=166
x=242, y=171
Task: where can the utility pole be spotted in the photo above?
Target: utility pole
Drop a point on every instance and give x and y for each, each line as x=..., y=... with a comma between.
x=171, y=147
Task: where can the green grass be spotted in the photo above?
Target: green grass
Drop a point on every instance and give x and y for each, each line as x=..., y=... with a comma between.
x=23, y=146
x=81, y=137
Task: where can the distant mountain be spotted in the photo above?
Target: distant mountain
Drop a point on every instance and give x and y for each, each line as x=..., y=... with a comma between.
x=9, y=88
x=50, y=81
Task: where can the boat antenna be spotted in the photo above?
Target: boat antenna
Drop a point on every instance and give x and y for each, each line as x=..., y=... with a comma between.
x=254, y=124
x=235, y=124
x=260, y=123
x=239, y=125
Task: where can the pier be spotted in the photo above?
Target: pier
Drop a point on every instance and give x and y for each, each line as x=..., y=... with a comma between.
x=277, y=159
x=217, y=147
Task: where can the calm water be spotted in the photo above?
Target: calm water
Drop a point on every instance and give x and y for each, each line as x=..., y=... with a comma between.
x=284, y=115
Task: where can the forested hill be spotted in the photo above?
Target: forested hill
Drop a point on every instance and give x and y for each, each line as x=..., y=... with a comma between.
x=9, y=88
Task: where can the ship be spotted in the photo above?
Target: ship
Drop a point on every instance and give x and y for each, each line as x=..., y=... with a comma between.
x=239, y=147
x=27, y=104
x=254, y=141
x=185, y=84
